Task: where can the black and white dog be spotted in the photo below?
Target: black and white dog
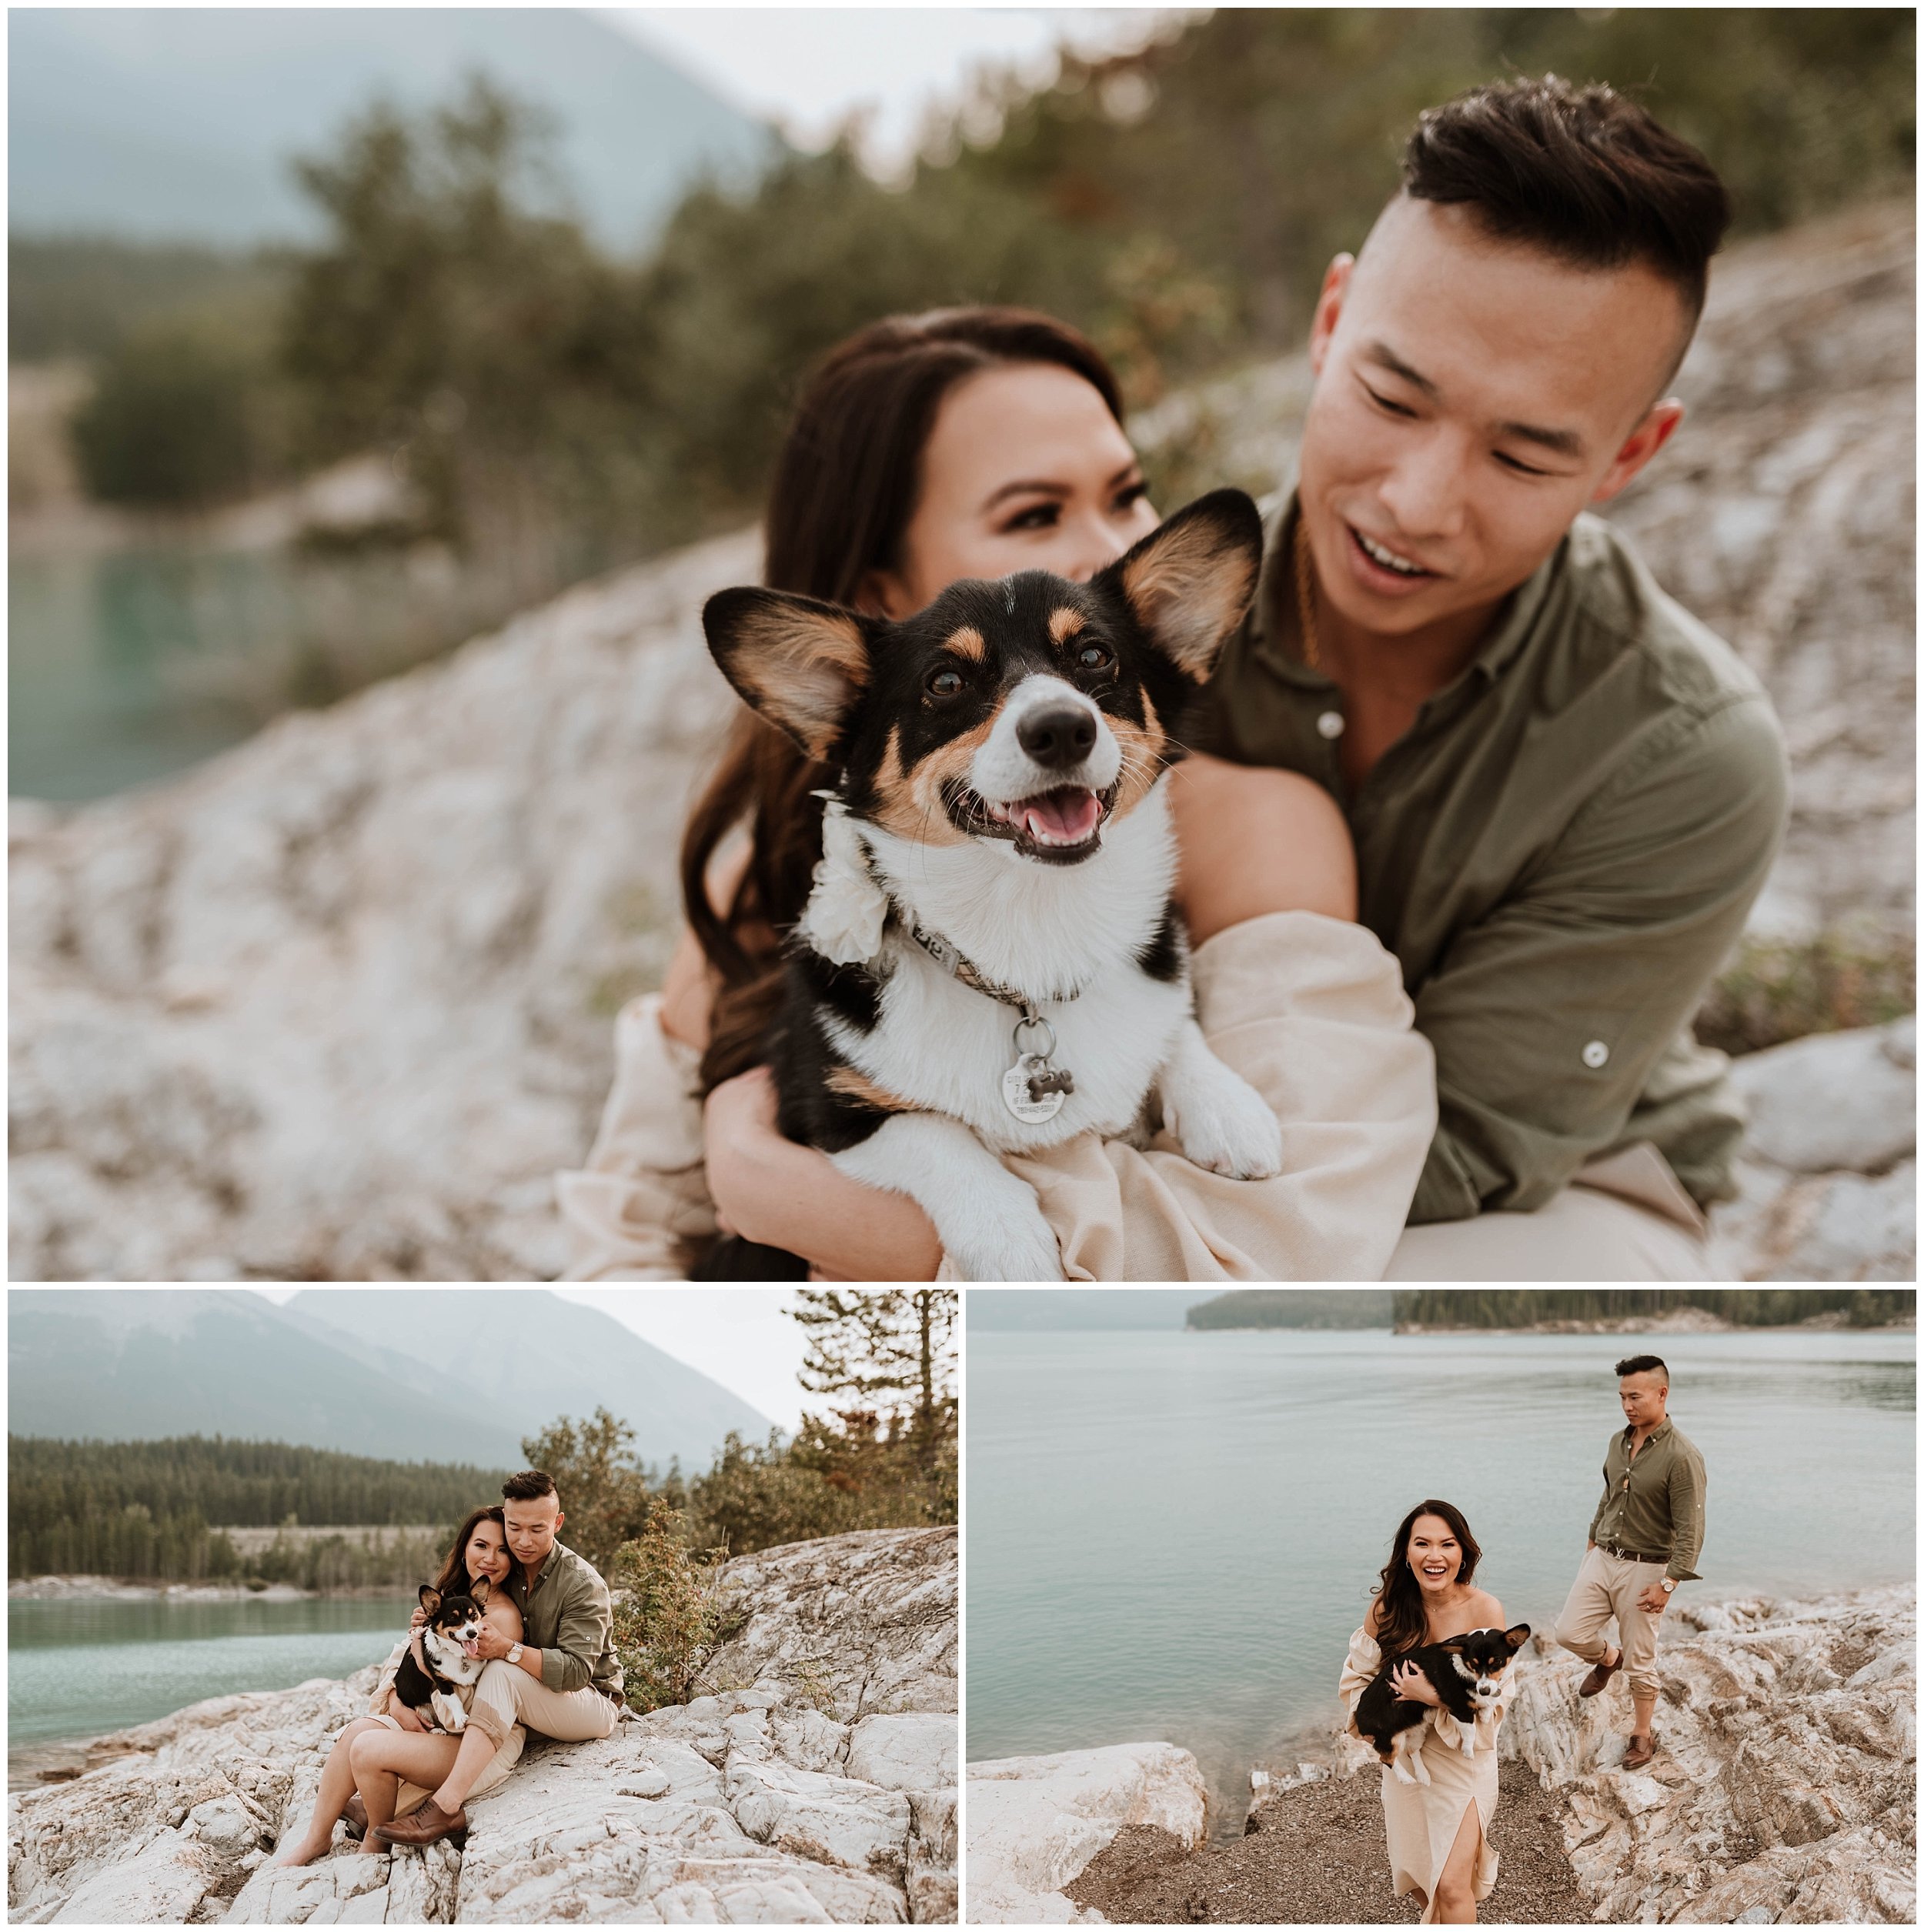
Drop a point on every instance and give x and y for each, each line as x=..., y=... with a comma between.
x=990, y=961
x=450, y=1643
x=1468, y=1672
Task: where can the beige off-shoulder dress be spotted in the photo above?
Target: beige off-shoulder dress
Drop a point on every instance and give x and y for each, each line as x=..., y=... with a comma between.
x=1310, y=1010
x=1422, y=1820
x=409, y=1797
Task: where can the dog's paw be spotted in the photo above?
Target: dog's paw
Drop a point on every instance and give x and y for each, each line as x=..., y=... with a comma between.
x=1022, y=1248
x=1226, y=1126
x=1401, y=1771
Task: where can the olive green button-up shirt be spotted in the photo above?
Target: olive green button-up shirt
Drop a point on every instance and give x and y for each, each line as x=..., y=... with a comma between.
x=1560, y=852
x=1653, y=1503
x=568, y=1616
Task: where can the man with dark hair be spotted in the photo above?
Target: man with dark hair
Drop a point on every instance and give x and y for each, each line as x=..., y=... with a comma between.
x=562, y=1679
x=1565, y=792
x=1646, y=1532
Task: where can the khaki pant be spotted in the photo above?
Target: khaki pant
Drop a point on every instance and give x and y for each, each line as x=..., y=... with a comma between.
x=506, y=1695
x=1608, y=1586
x=1625, y=1219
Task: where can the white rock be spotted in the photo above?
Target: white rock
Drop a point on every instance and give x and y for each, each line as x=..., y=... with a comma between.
x=161, y=1884
x=907, y=1752
x=1035, y=1822
x=1832, y=1101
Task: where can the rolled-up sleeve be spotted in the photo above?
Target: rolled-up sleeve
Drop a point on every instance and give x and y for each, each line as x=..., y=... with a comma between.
x=1547, y=1017
x=581, y=1637
x=1686, y=1515
x=1311, y=1012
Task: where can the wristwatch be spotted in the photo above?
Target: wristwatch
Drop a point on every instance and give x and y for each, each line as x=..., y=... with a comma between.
x=1670, y=1584
x=514, y=1653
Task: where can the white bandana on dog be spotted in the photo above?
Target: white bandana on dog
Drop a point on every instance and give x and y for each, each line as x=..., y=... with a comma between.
x=847, y=910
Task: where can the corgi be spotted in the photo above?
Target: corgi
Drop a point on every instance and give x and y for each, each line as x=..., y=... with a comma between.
x=991, y=960
x=450, y=1644
x=1468, y=1673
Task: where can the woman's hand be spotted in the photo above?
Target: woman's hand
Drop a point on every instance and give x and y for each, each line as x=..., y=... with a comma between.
x=405, y=1715
x=767, y=1190
x=1407, y=1679
x=419, y=1617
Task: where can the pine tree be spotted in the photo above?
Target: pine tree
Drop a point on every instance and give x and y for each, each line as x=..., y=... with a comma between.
x=892, y=1350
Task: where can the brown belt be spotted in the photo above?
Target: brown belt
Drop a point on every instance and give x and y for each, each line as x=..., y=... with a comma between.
x=1628, y=1556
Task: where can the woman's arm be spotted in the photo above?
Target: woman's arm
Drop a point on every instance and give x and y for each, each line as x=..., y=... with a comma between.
x=767, y=1188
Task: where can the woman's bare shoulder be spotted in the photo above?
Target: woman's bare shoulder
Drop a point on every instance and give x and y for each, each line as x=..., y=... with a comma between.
x=501, y=1612
x=1486, y=1610
x=1372, y=1617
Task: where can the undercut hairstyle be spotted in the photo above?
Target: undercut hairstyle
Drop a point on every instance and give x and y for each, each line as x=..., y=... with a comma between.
x=1643, y=1365
x=1402, y=1621
x=1584, y=175
x=529, y=1487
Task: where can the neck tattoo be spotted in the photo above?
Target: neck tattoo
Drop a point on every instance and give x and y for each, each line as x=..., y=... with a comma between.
x=1305, y=603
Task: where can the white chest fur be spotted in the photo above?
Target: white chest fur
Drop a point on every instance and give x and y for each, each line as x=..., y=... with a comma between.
x=1040, y=928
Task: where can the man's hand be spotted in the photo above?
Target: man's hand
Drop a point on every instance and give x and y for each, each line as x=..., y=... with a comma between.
x=1407, y=1680
x=491, y=1642
x=1655, y=1599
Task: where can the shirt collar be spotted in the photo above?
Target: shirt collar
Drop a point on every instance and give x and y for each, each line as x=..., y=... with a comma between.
x=1655, y=1436
x=1281, y=648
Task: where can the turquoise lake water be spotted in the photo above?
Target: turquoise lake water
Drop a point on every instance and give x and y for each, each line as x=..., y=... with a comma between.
x=1172, y=1535
x=79, y=1667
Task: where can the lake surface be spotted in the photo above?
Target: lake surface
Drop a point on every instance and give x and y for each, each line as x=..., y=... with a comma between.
x=1172, y=1536
x=78, y=1667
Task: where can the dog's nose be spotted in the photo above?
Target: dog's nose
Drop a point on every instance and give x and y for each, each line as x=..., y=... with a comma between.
x=1058, y=736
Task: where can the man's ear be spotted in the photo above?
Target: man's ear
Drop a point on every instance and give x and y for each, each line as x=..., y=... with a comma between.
x=1329, y=309
x=1189, y=581
x=1643, y=443
x=801, y=663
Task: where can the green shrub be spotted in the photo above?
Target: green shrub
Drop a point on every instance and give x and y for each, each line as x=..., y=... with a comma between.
x=669, y=1611
x=1774, y=992
x=179, y=419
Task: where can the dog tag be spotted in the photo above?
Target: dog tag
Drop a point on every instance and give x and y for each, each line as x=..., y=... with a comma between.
x=1024, y=1094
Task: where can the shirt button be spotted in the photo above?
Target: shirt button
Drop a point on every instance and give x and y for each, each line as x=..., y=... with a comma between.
x=1595, y=1054
x=1331, y=724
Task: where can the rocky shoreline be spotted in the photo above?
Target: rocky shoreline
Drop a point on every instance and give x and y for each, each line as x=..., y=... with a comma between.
x=816, y=1782
x=114, y=1590
x=1784, y=1793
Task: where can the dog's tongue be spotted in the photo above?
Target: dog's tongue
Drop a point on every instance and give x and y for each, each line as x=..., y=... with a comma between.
x=471, y=1646
x=1067, y=816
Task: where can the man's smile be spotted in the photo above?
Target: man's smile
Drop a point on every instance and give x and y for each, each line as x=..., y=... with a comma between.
x=1382, y=569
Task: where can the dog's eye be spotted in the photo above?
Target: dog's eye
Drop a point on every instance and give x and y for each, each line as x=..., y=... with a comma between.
x=945, y=684
x=1094, y=657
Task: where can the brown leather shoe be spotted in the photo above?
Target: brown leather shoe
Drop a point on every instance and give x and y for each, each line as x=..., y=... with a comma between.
x=1641, y=1750
x=356, y=1816
x=1600, y=1675
x=425, y=1827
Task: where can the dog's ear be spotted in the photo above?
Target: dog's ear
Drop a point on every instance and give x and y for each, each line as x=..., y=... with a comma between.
x=1517, y=1636
x=430, y=1599
x=479, y=1589
x=801, y=663
x=1189, y=581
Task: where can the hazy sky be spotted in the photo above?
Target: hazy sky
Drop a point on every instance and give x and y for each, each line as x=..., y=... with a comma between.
x=741, y=1337
x=807, y=68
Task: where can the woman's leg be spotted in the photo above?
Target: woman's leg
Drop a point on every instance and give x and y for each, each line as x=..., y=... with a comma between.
x=382, y=1758
x=337, y=1785
x=1456, y=1883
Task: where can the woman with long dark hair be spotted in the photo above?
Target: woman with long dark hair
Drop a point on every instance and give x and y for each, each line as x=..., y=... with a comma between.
x=976, y=443
x=1438, y=1832
x=375, y=1769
